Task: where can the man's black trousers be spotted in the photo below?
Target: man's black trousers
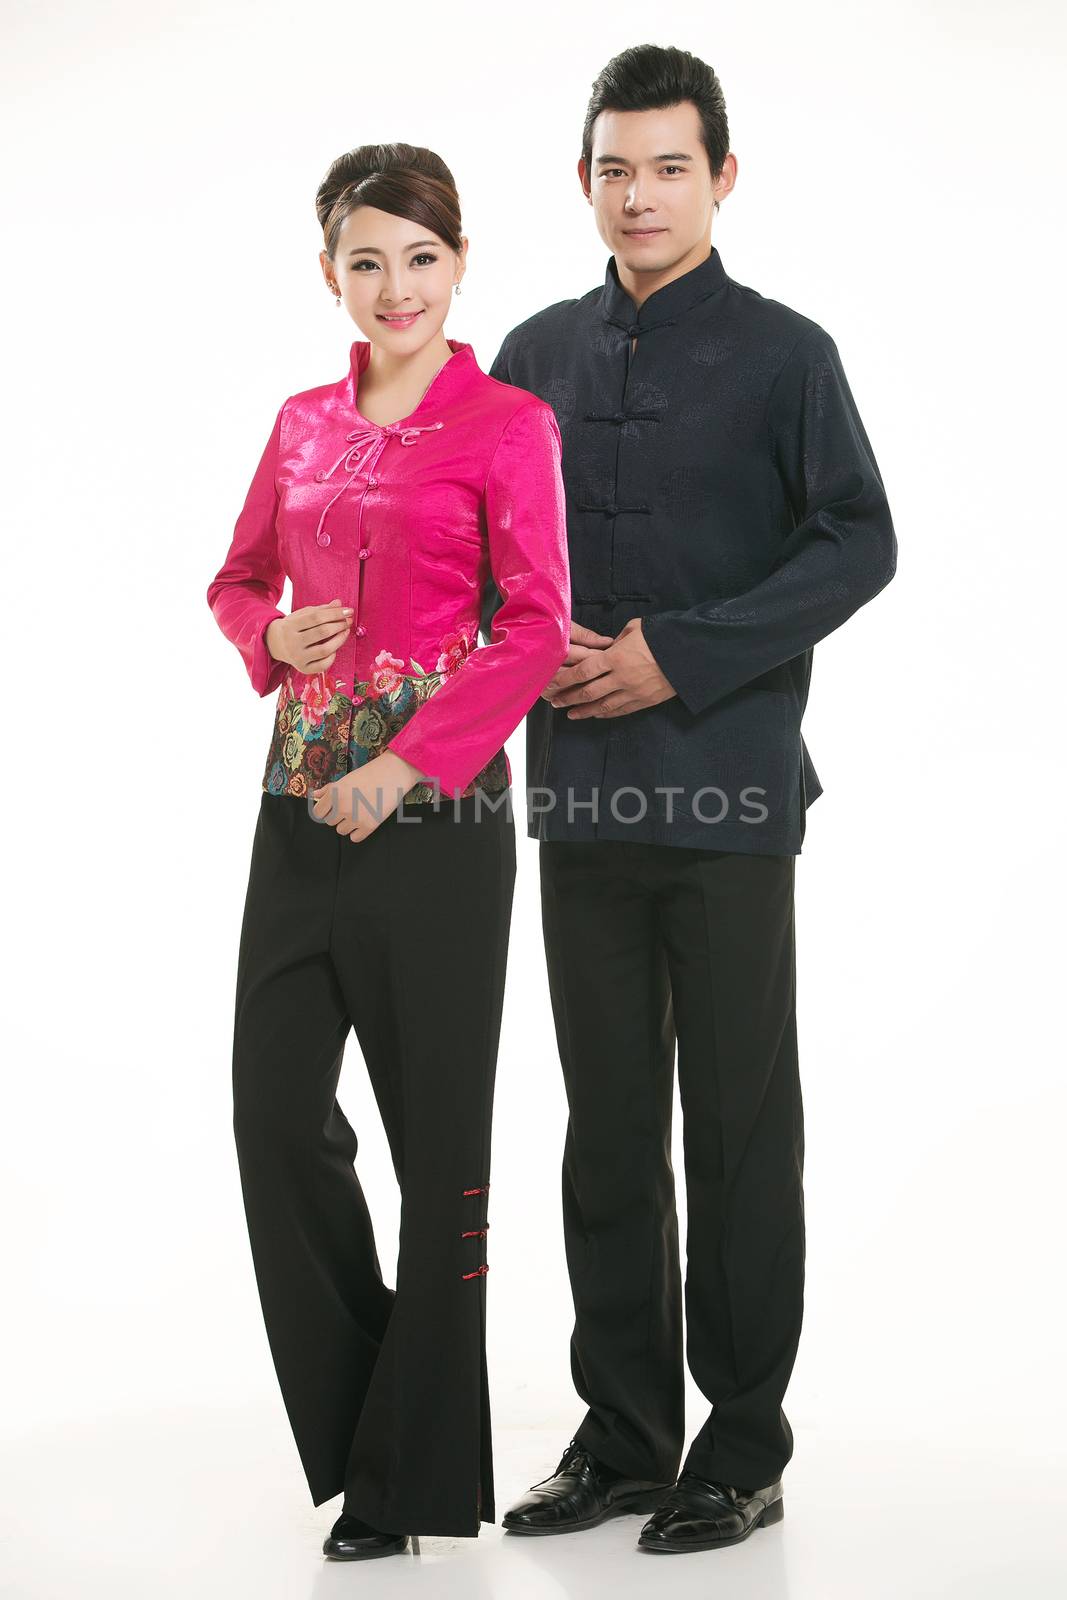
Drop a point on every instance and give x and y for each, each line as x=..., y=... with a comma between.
x=403, y=936
x=648, y=946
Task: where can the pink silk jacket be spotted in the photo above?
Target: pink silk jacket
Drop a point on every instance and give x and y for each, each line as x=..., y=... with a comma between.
x=405, y=523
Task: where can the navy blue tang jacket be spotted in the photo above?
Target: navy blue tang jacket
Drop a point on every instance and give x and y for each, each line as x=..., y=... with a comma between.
x=719, y=485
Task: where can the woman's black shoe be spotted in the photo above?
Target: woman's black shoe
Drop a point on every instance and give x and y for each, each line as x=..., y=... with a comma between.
x=581, y=1493
x=702, y=1515
x=352, y=1540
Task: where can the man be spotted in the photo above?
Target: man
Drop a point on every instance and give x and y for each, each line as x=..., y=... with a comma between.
x=725, y=512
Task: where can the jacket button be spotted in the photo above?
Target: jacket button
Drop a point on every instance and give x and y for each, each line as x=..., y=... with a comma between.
x=372, y=483
x=323, y=538
x=360, y=631
x=363, y=554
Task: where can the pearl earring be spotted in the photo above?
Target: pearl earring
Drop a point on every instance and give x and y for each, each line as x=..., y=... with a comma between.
x=459, y=288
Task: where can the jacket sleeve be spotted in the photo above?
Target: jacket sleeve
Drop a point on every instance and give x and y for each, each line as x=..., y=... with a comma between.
x=243, y=594
x=841, y=551
x=459, y=728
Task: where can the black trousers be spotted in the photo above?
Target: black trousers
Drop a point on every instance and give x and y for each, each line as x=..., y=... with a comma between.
x=649, y=946
x=404, y=937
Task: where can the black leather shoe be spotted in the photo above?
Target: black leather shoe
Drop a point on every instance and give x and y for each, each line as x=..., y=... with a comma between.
x=352, y=1540
x=699, y=1515
x=581, y=1493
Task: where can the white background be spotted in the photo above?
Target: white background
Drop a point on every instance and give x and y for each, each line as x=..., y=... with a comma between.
x=900, y=181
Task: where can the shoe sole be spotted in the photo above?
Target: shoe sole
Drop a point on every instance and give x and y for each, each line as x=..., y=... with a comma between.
x=636, y=1506
x=774, y=1513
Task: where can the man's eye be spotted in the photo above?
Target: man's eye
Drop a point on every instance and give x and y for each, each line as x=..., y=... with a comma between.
x=673, y=169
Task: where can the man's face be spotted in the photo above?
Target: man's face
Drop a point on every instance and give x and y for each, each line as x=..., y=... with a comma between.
x=650, y=186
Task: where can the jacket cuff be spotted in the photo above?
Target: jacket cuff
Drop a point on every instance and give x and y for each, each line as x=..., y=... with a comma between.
x=680, y=664
x=266, y=673
x=451, y=769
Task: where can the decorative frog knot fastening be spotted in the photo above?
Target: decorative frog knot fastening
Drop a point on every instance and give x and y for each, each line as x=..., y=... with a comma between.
x=609, y=510
x=476, y=1233
x=622, y=416
x=635, y=328
x=408, y=435
x=407, y=432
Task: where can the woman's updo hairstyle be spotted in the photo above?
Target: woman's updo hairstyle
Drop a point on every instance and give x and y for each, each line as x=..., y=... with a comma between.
x=404, y=179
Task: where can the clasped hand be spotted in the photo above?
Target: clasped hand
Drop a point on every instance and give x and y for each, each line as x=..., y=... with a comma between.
x=606, y=677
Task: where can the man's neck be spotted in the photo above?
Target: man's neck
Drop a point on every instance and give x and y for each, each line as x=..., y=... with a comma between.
x=640, y=285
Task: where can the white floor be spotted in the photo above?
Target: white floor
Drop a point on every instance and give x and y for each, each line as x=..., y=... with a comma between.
x=165, y=1506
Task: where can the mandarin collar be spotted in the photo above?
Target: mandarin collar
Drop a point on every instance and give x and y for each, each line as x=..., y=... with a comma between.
x=448, y=382
x=667, y=304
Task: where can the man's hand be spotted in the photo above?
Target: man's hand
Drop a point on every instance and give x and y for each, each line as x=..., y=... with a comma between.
x=611, y=680
x=360, y=802
x=308, y=639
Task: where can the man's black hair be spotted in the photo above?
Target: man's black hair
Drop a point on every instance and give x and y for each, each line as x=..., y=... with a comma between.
x=648, y=77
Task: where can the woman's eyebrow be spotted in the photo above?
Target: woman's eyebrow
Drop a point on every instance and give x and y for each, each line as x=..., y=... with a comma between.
x=369, y=249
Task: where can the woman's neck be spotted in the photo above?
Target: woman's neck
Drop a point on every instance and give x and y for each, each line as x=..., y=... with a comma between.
x=386, y=370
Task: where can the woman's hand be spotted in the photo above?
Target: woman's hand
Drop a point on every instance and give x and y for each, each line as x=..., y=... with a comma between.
x=361, y=801
x=308, y=639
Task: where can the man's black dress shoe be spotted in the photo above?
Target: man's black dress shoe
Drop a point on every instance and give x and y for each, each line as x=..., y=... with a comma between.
x=581, y=1493
x=700, y=1515
x=352, y=1540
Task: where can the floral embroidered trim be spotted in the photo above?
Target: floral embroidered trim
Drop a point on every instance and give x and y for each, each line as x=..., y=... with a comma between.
x=322, y=733
x=452, y=652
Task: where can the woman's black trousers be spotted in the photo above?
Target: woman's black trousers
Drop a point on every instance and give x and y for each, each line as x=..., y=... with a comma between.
x=404, y=938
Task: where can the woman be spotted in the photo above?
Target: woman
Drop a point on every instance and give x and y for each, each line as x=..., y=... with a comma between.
x=387, y=498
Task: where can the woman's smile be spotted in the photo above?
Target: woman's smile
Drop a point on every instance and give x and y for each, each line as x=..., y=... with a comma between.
x=402, y=319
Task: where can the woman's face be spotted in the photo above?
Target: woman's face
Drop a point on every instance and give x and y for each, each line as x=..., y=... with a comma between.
x=395, y=278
